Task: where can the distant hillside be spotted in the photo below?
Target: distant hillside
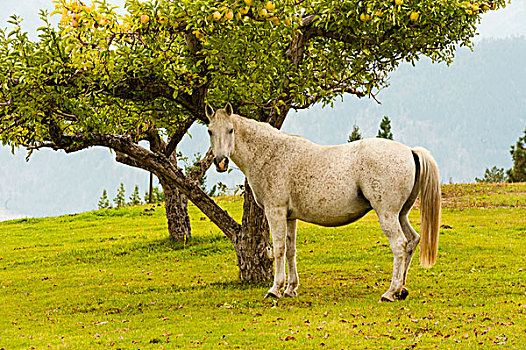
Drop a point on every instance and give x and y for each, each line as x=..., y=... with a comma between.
x=467, y=115
x=54, y=183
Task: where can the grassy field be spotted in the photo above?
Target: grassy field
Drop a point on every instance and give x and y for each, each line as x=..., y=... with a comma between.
x=113, y=279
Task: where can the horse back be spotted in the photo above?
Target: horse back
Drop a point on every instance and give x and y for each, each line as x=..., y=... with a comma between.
x=336, y=185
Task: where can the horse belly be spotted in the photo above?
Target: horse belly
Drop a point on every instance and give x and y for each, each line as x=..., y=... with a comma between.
x=330, y=208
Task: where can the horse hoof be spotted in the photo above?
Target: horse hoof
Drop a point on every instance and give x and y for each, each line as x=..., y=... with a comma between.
x=272, y=295
x=290, y=295
x=385, y=299
x=403, y=294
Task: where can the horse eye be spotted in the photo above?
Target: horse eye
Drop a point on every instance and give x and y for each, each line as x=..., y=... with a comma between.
x=230, y=131
x=209, y=133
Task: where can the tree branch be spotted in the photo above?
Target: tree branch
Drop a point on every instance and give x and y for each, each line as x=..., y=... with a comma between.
x=178, y=135
x=133, y=154
x=157, y=145
x=200, y=168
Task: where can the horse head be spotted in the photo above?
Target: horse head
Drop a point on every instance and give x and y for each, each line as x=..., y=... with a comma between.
x=221, y=131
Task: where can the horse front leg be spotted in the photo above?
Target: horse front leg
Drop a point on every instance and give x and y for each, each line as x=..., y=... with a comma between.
x=290, y=252
x=277, y=219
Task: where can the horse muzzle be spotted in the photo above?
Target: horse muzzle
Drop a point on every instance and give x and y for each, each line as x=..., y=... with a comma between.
x=221, y=164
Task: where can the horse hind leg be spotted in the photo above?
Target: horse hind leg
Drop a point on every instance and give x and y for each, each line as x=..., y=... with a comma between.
x=393, y=230
x=413, y=238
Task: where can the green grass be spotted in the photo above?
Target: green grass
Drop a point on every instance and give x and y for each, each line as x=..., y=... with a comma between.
x=113, y=279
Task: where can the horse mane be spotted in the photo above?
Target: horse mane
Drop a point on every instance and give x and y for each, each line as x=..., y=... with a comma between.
x=262, y=126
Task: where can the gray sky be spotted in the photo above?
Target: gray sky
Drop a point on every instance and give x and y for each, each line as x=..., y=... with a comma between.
x=495, y=24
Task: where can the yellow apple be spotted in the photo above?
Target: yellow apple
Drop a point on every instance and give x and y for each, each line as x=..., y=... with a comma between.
x=413, y=16
x=145, y=19
x=270, y=6
x=248, y=2
x=399, y=2
x=217, y=16
x=263, y=13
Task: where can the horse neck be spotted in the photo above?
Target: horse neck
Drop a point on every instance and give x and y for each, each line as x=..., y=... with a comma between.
x=254, y=141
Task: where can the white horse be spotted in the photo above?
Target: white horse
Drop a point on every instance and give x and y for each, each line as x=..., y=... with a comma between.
x=295, y=179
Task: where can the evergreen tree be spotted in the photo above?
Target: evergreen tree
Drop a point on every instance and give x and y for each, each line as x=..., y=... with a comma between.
x=104, y=202
x=147, y=197
x=120, y=199
x=518, y=154
x=135, y=198
x=157, y=195
x=385, y=129
x=355, y=134
x=493, y=175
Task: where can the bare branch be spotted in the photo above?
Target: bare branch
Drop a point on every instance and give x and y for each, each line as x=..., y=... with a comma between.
x=176, y=137
x=200, y=168
x=68, y=116
x=157, y=145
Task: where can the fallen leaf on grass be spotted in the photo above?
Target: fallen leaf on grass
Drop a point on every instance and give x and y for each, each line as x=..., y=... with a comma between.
x=287, y=338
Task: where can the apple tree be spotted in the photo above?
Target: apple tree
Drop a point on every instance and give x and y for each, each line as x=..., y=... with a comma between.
x=100, y=78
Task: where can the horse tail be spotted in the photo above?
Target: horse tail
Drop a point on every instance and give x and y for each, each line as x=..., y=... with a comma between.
x=430, y=197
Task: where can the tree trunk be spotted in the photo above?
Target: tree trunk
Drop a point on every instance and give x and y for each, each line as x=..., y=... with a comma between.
x=251, y=240
x=176, y=205
x=252, y=243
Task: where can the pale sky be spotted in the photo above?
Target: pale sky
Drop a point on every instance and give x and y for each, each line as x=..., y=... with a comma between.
x=510, y=21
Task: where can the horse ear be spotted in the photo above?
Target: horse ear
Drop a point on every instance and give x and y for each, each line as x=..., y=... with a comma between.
x=228, y=109
x=209, y=111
